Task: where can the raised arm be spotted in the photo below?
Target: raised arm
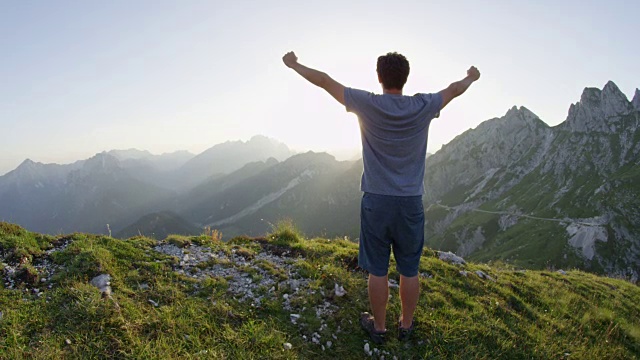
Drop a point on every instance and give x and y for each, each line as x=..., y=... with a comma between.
x=315, y=77
x=459, y=87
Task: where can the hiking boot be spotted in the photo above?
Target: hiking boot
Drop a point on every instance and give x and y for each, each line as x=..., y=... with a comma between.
x=404, y=334
x=367, y=323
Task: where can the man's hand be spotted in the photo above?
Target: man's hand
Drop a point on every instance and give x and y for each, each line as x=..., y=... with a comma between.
x=459, y=87
x=315, y=77
x=472, y=73
x=290, y=59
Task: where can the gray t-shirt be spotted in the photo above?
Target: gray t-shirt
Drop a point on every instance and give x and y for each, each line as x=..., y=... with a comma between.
x=394, y=130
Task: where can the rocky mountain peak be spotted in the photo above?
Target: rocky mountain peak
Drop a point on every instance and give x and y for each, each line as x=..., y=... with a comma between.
x=514, y=121
x=614, y=100
x=101, y=163
x=636, y=100
x=27, y=170
x=598, y=110
x=522, y=114
x=27, y=163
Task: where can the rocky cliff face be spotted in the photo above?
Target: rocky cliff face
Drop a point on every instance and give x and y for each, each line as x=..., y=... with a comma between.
x=598, y=110
x=519, y=139
x=636, y=100
x=517, y=190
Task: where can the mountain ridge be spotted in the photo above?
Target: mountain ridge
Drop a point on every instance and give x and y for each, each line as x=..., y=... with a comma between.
x=569, y=172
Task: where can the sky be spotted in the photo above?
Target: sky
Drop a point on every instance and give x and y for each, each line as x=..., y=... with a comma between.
x=78, y=78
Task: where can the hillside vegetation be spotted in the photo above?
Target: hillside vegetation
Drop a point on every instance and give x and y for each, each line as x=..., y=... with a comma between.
x=249, y=298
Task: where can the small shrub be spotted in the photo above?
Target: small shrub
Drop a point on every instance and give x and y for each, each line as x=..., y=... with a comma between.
x=214, y=234
x=285, y=233
x=84, y=260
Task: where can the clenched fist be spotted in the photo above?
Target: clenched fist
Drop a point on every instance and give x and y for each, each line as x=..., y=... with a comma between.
x=473, y=73
x=290, y=59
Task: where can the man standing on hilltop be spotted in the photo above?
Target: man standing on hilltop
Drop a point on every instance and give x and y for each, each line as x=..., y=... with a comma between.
x=394, y=130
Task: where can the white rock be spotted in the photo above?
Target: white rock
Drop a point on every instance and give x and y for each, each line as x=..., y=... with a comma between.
x=102, y=282
x=562, y=272
x=287, y=346
x=481, y=274
x=340, y=292
x=153, y=303
x=294, y=318
x=451, y=257
x=329, y=343
x=367, y=349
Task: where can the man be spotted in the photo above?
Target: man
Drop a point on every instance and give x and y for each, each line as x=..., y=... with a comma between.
x=394, y=131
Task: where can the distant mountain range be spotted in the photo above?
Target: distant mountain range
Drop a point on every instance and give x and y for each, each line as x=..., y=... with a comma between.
x=512, y=189
x=116, y=187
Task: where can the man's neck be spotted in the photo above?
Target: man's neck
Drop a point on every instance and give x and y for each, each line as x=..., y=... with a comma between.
x=392, y=91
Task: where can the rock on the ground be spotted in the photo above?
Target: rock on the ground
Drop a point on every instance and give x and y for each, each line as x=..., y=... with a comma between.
x=451, y=257
x=340, y=292
x=367, y=350
x=482, y=275
x=103, y=283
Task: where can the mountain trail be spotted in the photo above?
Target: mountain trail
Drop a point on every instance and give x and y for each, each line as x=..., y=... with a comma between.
x=570, y=221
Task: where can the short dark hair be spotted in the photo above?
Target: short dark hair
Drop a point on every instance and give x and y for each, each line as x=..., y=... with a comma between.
x=393, y=69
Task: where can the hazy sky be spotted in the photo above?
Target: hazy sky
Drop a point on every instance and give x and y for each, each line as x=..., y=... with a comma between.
x=79, y=77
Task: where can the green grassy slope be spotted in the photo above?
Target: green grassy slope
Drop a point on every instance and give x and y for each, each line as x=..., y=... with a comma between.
x=522, y=315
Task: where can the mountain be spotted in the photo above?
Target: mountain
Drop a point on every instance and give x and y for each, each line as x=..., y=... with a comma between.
x=30, y=190
x=520, y=191
x=317, y=192
x=199, y=196
x=159, y=225
x=228, y=157
x=120, y=186
x=163, y=162
x=84, y=196
x=159, y=170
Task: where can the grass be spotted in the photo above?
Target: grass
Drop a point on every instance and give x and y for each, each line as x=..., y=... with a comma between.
x=523, y=315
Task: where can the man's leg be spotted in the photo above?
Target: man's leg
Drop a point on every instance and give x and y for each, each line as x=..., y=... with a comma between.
x=409, y=294
x=378, y=297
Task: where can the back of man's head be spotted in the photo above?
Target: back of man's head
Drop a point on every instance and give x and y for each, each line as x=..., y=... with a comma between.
x=393, y=70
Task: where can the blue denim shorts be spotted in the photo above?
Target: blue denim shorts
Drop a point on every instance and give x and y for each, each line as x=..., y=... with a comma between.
x=391, y=222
